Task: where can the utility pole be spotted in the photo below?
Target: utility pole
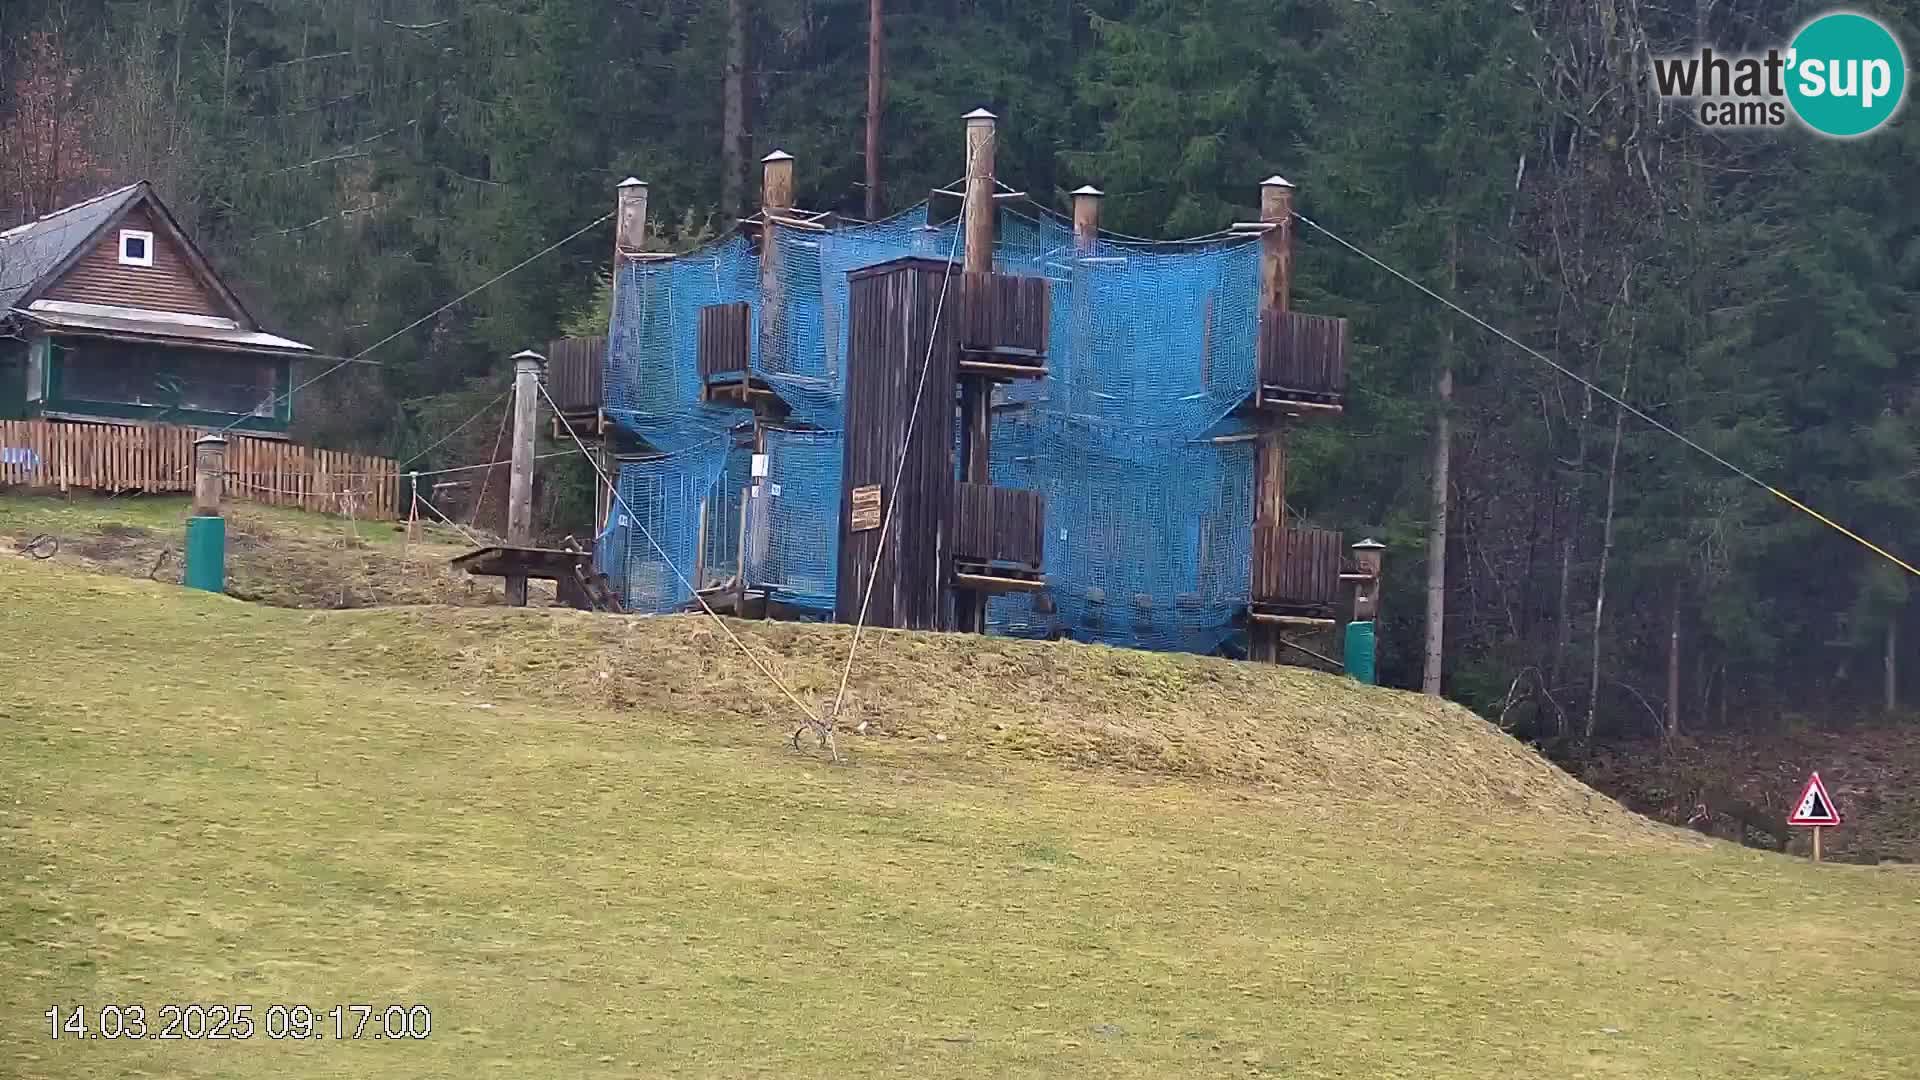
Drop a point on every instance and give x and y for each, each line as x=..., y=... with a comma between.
x=876, y=75
x=528, y=367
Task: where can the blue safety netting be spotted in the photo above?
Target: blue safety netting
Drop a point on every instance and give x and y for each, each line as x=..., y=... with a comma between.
x=800, y=561
x=1149, y=516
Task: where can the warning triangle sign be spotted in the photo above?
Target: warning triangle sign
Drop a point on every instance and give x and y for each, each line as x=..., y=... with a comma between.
x=1815, y=806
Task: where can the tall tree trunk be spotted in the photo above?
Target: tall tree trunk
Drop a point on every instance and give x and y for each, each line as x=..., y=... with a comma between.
x=1892, y=673
x=226, y=71
x=1569, y=544
x=1442, y=460
x=733, y=118
x=876, y=75
x=1673, y=666
x=1606, y=553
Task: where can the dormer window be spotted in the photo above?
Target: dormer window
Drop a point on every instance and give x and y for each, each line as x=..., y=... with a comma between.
x=136, y=248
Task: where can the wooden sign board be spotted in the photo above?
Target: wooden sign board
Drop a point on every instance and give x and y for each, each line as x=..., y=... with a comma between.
x=865, y=509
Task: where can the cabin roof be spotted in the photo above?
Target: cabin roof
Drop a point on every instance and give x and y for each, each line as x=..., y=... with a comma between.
x=105, y=320
x=31, y=253
x=37, y=255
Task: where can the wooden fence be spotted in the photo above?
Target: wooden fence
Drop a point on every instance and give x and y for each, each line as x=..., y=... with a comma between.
x=575, y=372
x=1295, y=567
x=156, y=458
x=724, y=344
x=1006, y=314
x=999, y=525
x=1303, y=354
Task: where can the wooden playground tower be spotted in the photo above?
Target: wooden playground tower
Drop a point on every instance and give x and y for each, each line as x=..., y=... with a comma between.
x=931, y=541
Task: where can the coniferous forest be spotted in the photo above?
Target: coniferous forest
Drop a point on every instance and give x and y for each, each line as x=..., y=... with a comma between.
x=353, y=164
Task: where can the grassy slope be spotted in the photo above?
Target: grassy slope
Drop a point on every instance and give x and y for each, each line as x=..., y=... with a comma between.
x=287, y=558
x=582, y=842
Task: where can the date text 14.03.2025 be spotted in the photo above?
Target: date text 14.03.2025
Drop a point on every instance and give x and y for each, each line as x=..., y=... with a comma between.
x=198, y=1022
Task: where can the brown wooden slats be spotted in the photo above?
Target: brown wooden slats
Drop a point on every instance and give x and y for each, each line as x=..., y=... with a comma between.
x=724, y=343
x=1304, y=353
x=168, y=285
x=576, y=368
x=997, y=524
x=111, y=457
x=1295, y=567
x=1005, y=311
x=896, y=323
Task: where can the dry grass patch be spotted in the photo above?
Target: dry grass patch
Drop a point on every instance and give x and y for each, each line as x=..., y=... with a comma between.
x=221, y=802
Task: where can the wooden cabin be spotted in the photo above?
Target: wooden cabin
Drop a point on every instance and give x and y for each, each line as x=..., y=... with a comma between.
x=110, y=313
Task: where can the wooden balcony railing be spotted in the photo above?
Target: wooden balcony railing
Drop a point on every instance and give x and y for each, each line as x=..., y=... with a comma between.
x=996, y=526
x=1303, y=359
x=726, y=341
x=576, y=370
x=1004, y=320
x=1295, y=568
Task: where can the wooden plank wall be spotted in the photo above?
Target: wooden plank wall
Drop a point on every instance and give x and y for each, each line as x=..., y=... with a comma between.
x=159, y=458
x=1005, y=311
x=576, y=371
x=1295, y=567
x=891, y=320
x=1306, y=353
x=168, y=285
x=724, y=343
x=997, y=524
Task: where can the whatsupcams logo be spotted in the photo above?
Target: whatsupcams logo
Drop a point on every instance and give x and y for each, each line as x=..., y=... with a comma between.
x=1843, y=74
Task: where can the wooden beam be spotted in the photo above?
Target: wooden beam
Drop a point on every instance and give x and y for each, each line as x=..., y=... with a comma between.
x=996, y=583
x=1291, y=620
x=1019, y=371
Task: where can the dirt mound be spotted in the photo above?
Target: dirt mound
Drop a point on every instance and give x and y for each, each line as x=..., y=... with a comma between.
x=1317, y=735
x=286, y=558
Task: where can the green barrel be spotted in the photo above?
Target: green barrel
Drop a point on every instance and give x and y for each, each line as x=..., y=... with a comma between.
x=206, y=554
x=1360, y=651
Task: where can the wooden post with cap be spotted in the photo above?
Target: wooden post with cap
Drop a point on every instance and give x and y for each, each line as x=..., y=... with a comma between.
x=1086, y=239
x=776, y=201
x=629, y=240
x=205, y=555
x=1270, y=446
x=528, y=366
x=976, y=394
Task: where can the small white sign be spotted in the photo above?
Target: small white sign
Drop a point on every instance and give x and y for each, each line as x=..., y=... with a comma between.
x=773, y=490
x=759, y=465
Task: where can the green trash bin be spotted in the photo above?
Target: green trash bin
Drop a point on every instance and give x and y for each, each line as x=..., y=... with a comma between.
x=1360, y=651
x=206, y=554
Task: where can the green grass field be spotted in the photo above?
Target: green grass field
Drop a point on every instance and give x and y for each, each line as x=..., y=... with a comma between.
x=583, y=842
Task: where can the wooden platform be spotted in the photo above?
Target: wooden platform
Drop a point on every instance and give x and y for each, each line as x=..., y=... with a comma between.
x=1295, y=615
x=586, y=423
x=1002, y=363
x=744, y=389
x=988, y=578
x=572, y=571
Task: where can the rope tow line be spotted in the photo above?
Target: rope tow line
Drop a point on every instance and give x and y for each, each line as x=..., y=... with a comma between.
x=812, y=720
x=274, y=402
x=483, y=410
x=886, y=522
x=1620, y=403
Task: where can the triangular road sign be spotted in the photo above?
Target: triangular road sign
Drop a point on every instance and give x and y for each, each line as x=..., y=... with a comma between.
x=1815, y=806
